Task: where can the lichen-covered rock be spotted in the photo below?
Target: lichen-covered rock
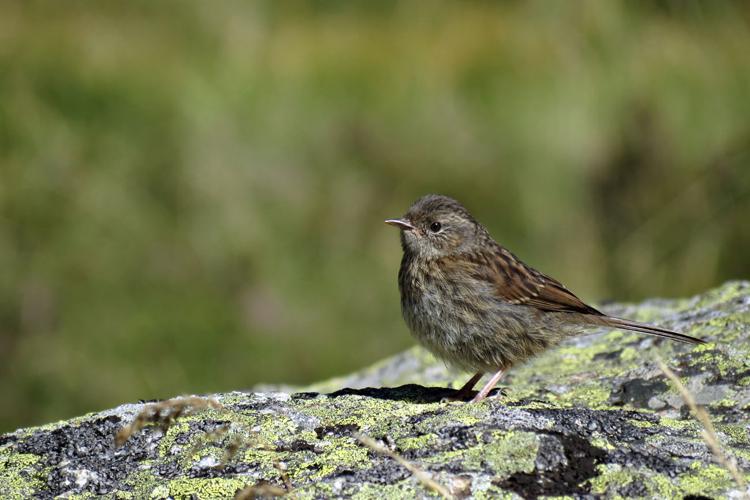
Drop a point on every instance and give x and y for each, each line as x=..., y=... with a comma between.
x=594, y=417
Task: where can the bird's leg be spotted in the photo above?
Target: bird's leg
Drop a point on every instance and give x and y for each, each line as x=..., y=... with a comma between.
x=465, y=391
x=488, y=386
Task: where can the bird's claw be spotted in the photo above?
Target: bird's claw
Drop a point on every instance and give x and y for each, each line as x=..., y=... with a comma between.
x=473, y=396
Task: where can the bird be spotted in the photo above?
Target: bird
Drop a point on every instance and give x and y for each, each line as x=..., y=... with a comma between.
x=478, y=307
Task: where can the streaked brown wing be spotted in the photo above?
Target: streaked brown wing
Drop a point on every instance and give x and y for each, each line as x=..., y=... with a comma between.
x=517, y=283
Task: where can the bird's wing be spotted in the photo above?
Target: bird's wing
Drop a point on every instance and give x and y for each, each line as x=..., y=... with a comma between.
x=516, y=283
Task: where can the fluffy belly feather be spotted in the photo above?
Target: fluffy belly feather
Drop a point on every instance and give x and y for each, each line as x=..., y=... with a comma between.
x=479, y=332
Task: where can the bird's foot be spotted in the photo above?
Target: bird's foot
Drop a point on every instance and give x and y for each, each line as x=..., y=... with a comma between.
x=473, y=396
x=491, y=383
x=466, y=390
x=498, y=393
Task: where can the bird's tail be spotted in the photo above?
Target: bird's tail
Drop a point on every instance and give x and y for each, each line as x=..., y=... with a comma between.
x=651, y=330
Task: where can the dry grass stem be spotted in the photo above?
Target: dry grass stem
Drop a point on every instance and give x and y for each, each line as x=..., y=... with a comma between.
x=260, y=490
x=164, y=413
x=265, y=489
x=709, y=432
x=281, y=467
x=213, y=435
x=422, y=476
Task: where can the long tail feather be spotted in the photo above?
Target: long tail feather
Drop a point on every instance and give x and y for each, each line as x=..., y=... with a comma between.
x=651, y=330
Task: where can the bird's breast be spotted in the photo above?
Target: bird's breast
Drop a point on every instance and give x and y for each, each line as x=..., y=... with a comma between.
x=438, y=303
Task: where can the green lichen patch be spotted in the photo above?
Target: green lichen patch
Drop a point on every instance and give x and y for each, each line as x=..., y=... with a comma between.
x=591, y=417
x=499, y=453
x=416, y=442
x=342, y=455
x=728, y=363
x=738, y=433
x=19, y=475
x=616, y=481
x=200, y=488
x=678, y=424
x=404, y=489
x=591, y=395
x=706, y=480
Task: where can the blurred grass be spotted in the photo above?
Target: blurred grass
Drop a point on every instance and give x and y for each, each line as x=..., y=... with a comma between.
x=192, y=193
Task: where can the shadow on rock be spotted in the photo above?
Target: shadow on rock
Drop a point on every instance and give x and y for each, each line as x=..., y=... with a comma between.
x=411, y=393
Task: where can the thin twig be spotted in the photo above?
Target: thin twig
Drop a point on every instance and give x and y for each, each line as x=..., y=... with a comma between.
x=708, y=432
x=422, y=476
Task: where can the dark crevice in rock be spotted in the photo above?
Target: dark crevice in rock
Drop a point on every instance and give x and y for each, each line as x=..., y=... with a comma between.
x=564, y=465
x=8, y=438
x=299, y=396
x=336, y=430
x=457, y=437
x=607, y=355
x=637, y=392
x=222, y=470
x=662, y=463
x=385, y=471
x=299, y=445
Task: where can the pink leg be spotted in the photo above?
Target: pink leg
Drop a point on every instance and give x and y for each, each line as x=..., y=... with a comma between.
x=488, y=386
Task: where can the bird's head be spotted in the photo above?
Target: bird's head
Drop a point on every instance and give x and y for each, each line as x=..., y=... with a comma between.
x=437, y=226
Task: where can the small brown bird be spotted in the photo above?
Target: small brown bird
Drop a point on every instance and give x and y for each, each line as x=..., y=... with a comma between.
x=475, y=305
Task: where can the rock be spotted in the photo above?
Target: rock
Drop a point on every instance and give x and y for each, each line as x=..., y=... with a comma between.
x=593, y=417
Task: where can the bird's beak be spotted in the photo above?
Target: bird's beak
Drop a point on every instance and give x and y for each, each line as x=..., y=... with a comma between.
x=401, y=224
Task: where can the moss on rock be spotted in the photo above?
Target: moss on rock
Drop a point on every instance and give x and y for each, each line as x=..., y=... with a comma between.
x=592, y=417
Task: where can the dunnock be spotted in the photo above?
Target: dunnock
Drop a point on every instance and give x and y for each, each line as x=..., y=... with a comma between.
x=475, y=305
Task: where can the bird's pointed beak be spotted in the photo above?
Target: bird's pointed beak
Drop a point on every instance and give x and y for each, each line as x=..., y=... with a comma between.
x=401, y=224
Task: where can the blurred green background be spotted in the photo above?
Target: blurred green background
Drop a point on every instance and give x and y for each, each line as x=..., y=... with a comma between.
x=192, y=193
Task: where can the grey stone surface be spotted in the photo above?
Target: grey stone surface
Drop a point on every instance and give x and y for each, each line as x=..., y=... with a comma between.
x=594, y=417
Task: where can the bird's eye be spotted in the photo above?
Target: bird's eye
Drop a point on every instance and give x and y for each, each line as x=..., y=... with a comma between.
x=435, y=227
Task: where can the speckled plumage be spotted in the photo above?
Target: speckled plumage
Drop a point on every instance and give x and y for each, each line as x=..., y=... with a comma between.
x=474, y=304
